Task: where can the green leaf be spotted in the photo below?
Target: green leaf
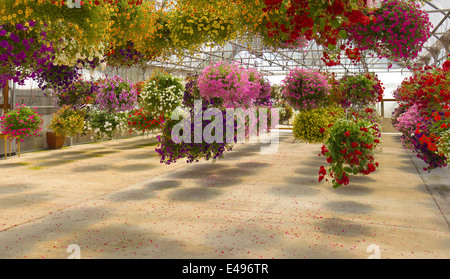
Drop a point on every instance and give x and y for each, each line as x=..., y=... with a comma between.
x=343, y=34
x=335, y=23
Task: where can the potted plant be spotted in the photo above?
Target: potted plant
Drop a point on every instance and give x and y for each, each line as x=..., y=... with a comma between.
x=67, y=122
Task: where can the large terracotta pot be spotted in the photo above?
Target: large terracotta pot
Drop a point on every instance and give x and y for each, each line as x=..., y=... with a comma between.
x=55, y=142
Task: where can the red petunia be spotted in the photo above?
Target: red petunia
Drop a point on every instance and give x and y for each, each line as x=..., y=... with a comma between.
x=322, y=170
x=347, y=134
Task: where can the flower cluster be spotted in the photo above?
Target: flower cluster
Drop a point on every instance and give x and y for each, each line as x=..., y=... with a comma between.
x=428, y=139
x=67, y=122
x=21, y=122
x=104, y=124
x=306, y=89
x=406, y=123
x=161, y=94
x=398, y=30
x=76, y=34
x=124, y=56
x=424, y=114
x=231, y=85
x=116, y=95
x=143, y=121
x=203, y=21
x=287, y=21
x=170, y=152
x=24, y=52
x=429, y=88
x=312, y=126
x=368, y=113
x=360, y=90
x=77, y=95
x=349, y=150
x=55, y=77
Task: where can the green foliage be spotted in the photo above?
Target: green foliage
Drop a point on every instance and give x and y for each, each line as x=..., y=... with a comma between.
x=312, y=126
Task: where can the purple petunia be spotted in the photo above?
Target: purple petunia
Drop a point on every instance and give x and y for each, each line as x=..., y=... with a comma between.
x=20, y=27
x=21, y=56
x=14, y=37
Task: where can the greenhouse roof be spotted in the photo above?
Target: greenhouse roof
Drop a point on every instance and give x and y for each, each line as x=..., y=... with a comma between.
x=252, y=53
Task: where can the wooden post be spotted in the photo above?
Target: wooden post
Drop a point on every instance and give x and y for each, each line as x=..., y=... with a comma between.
x=5, y=98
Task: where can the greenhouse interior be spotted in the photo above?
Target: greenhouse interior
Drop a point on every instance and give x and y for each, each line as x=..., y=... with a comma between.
x=243, y=129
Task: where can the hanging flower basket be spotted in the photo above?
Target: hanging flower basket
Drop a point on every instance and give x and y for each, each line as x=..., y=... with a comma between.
x=398, y=30
x=306, y=89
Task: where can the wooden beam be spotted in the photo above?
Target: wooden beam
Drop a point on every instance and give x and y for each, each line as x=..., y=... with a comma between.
x=5, y=98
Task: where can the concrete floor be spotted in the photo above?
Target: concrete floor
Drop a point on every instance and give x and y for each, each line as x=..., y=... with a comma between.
x=115, y=200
